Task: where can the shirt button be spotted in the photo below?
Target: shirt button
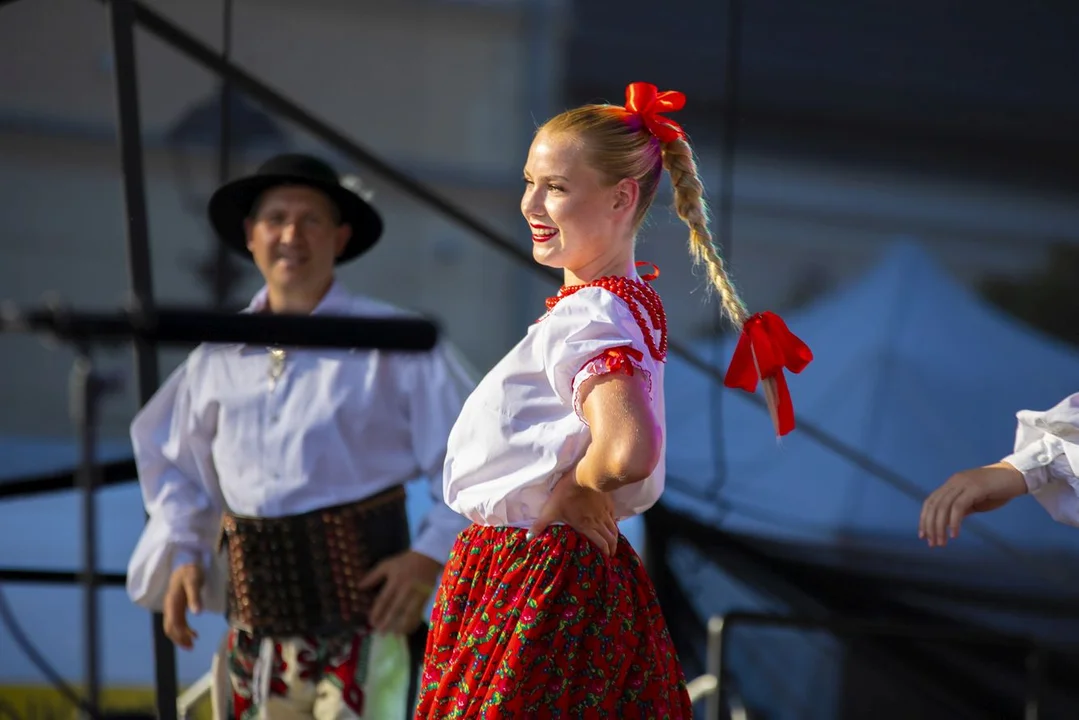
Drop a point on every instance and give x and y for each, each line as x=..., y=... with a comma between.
x=273, y=418
x=1043, y=458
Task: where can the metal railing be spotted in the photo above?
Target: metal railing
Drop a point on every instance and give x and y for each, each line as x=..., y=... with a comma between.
x=714, y=688
x=195, y=693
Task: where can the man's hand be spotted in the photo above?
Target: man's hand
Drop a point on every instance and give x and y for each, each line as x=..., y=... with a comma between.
x=183, y=594
x=589, y=512
x=978, y=490
x=407, y=581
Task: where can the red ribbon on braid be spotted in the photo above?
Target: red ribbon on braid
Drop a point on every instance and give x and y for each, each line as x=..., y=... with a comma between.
x=765, y=347
x=645, y=101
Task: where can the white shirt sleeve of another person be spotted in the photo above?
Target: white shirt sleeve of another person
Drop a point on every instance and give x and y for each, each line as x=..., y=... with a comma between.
x=173, y=458
x=436, y=385
x=1047, y=453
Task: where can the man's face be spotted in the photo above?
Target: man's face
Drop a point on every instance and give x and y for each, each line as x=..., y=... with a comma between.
x=294, y=236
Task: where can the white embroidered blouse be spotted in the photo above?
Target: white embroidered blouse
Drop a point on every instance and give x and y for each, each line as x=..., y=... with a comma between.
x=522, y=428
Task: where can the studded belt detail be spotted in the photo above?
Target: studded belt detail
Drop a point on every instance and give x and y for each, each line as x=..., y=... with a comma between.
x=299, y=575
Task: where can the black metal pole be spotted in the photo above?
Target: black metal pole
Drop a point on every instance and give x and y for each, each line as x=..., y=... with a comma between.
x=725, y=229
x=732, y=73
x=182, y=326
x=720, y=660
x=226, y=91
x=58, y=577
x=87, y=389
x=879, y=628
x=1031, y=706
x=122, y=20
x=82, y=413
x=223, y=257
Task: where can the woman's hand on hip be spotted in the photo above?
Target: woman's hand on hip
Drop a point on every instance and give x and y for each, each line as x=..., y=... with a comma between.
x=589, y=512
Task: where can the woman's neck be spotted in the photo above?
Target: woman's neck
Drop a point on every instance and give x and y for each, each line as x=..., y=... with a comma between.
x=622, y=266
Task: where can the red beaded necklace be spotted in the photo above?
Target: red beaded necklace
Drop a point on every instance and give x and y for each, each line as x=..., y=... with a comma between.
x=636, y=294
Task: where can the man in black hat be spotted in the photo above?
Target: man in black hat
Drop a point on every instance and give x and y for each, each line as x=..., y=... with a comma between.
x=280, y=472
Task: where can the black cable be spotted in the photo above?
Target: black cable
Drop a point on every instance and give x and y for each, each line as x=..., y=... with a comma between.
x=38, y=661
x=725, y=229
x=222, y=285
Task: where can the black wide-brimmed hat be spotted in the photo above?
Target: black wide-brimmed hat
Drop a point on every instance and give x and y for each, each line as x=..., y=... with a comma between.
x=232, y=202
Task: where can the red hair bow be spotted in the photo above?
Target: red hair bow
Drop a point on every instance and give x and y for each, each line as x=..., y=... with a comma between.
x=764, y=349
x=644, y=100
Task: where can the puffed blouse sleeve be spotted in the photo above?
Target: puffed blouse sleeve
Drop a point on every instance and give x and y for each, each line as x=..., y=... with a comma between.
x=589, y=333
x=1047, y=453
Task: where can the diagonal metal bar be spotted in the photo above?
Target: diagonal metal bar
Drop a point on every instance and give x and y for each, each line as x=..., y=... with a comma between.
x=241, y=80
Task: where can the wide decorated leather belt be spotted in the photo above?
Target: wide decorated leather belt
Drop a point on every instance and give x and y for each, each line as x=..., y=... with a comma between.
x=300, y=575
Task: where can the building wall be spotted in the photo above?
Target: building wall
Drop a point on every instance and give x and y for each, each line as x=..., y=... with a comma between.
x=418, y=79
x=434, y=88
x=448, y=91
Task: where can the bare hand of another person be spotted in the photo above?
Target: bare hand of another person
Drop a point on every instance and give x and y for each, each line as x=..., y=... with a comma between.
x=183, y=594
x=977, y=490
x=589, y=512
x=407, y=581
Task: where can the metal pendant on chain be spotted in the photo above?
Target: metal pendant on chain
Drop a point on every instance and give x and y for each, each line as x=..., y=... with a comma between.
x=277, y=365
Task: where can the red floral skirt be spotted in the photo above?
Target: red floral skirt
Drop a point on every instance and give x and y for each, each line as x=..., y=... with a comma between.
x=548, y=629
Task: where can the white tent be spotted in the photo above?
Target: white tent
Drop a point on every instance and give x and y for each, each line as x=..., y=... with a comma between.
x=921, y=376
x=910, y=369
